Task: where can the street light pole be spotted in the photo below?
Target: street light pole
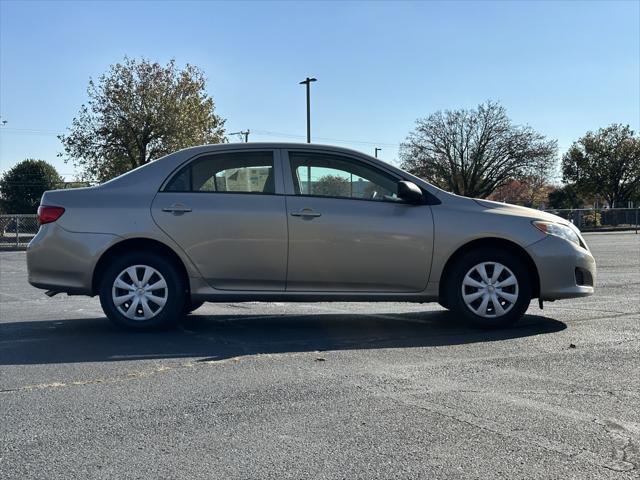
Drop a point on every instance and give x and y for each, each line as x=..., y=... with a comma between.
x=307, y=82
x=376, y=151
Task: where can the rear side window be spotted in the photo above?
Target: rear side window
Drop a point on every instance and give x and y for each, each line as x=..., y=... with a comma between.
x=241, y=172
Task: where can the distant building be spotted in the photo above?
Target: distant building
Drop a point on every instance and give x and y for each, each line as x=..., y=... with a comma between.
x=242, y=179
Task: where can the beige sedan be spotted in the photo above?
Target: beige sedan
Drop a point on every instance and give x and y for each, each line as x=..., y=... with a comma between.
x=297, y=223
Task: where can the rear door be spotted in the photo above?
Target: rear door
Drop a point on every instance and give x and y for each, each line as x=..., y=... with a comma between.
x=227, y=211
x=348, y=231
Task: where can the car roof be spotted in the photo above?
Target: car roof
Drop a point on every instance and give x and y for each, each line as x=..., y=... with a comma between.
x=157, y=170
x=270, y=145
x=154, y=173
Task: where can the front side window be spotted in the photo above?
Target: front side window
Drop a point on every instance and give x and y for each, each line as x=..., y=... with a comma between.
x=327, y=175
x=240, y=172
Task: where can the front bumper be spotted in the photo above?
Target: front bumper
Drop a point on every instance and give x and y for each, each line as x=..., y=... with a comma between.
x=561, y=266
x=63, y=261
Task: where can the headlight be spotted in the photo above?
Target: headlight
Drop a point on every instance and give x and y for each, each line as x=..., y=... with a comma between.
x=558, y=230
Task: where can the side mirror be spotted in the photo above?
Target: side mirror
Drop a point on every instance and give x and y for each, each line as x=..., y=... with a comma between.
x=410, y=192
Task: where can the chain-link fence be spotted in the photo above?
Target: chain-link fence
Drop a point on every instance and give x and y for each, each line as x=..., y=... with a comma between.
x=16, y=231
x=587, y=219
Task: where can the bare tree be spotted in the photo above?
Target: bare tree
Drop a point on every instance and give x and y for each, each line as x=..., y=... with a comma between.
x=474, y=152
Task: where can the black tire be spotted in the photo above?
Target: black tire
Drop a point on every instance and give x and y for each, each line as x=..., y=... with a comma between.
x=169, y=315
x=514, y=310
x=443, y=303
x=192, y=306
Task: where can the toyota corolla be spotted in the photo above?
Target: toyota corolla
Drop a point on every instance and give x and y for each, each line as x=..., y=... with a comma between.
x=297, y=223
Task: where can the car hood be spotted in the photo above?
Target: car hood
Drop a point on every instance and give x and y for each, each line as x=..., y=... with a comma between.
x=519, y=211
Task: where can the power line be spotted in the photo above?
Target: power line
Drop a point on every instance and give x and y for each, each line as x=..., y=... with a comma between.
x=33, y=131
x=30, y=131
x=331, y=139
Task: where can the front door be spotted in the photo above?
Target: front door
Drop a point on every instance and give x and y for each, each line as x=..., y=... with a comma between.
x=227, y=212
x=348, y=230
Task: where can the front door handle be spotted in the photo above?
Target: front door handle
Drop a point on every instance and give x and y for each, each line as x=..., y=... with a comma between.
x=306, y=212
x=177, y=208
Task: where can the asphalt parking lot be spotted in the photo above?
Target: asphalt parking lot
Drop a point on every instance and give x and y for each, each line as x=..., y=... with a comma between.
x=326, y=390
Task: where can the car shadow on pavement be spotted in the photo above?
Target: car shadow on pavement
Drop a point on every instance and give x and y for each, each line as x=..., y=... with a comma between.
x=216, y=337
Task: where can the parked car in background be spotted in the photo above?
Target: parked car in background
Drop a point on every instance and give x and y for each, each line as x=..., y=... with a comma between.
x=297, y=222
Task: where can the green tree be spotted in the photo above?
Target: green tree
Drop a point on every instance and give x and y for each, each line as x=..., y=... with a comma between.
x=605, y=163
x=22, y=186
x=137, y=112
x=565, y=197
x=474, y=152
x=331, y=186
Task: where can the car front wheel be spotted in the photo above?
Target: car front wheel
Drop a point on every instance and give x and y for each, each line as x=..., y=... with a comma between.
x=143, y=291
x=489, y=287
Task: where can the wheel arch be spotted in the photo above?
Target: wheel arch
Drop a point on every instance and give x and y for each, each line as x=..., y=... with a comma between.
x=132, y=244
x=492, y=242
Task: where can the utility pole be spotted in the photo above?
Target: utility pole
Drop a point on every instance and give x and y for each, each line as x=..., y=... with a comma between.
x=307, y=82
x=376, y=151
x=245, y=133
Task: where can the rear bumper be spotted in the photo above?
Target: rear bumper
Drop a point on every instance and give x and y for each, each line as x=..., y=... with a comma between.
x=565, y=269
x=60, y=260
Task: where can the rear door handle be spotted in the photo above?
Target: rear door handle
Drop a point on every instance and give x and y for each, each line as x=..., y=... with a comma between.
x=177, y=208
x=306, y=212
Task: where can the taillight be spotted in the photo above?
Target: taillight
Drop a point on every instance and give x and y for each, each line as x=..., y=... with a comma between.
x=47, y=214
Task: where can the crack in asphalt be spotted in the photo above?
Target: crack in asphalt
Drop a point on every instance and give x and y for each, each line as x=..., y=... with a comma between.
x=239, y=344
x=627, y=448
x=485, y=424
x=597, y=394
x=121, y=378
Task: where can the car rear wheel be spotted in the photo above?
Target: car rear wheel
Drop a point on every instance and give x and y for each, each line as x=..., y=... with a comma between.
x=489, y=287
x=142, y=291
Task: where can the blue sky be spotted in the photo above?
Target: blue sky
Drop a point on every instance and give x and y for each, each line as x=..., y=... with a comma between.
x=561, y=67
